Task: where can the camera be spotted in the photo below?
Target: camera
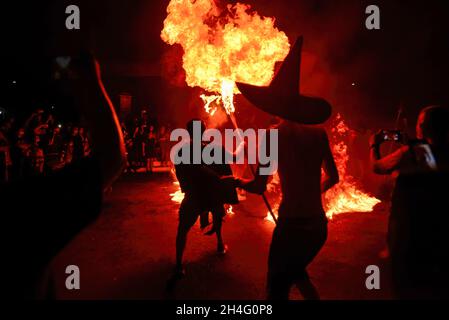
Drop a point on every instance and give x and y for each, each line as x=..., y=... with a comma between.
x=392, y=135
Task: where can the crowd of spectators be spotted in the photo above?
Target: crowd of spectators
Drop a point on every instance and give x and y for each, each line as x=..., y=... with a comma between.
x=147, y=143
x=41, y=144
x=38, y=145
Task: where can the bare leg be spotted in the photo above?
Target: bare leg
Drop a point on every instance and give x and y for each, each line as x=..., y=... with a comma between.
x=220, y=243
x=204, y=219
x=306, y=287
x=179, y=272
x=218, y=215
x=278, y=286
x=181, y=240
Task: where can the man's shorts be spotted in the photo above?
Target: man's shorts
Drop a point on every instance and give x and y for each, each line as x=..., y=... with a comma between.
x=190, y=210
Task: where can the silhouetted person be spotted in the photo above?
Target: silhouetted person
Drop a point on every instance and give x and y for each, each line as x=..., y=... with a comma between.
x=164, y=144
x=139, y=144
x=417, y=231
x=303, y=151
x=204, y=192
x=55, y=150
x=302, y=224
x=4, y=155
x=44, y=213
x=150, y=148
x=36, y=157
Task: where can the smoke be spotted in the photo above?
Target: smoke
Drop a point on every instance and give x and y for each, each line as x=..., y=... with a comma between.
x=367, y=74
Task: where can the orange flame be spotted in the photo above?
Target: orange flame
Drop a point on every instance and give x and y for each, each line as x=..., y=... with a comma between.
x=229, y=210
x=178, y=195
x=222, y=46
x=345, y=196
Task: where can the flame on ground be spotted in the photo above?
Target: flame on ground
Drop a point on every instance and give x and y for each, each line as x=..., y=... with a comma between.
x=178, y=195
x=345, y=196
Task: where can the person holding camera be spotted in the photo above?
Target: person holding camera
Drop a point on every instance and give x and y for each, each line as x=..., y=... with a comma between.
x=417, y=225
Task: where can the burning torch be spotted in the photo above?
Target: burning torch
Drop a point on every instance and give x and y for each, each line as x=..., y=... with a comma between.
x=232, y=118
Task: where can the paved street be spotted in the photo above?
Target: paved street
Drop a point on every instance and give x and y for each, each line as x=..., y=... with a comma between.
x=128, y=253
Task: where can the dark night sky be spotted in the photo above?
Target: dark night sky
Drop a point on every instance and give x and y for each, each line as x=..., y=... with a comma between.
x=405, y=61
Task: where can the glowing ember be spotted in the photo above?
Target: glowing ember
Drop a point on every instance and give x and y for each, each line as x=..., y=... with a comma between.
x=178, y=195
x=222, y=46
x=207, y=103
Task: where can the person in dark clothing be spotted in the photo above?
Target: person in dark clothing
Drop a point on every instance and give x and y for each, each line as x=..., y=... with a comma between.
x=417, y=238
x=44, y=213
x=150, y=148
x=78, y=145
x=19, y=150
x=35, y=123
x=164, y=145
x=4, y=154
x=35, y=157
x=204, y=192
x=139, y=146
x=55, y=150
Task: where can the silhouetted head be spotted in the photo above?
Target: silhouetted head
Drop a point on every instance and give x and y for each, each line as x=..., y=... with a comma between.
x=432, y=125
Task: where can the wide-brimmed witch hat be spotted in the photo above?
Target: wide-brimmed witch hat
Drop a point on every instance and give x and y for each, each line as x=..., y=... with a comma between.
x=282, y=97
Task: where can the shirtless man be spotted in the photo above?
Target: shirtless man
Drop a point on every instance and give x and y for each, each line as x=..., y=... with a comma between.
x=302, y=224
x=303, y=151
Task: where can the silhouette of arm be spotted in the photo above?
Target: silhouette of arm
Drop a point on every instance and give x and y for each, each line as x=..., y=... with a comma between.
x=106, y=135
x=389, y=163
